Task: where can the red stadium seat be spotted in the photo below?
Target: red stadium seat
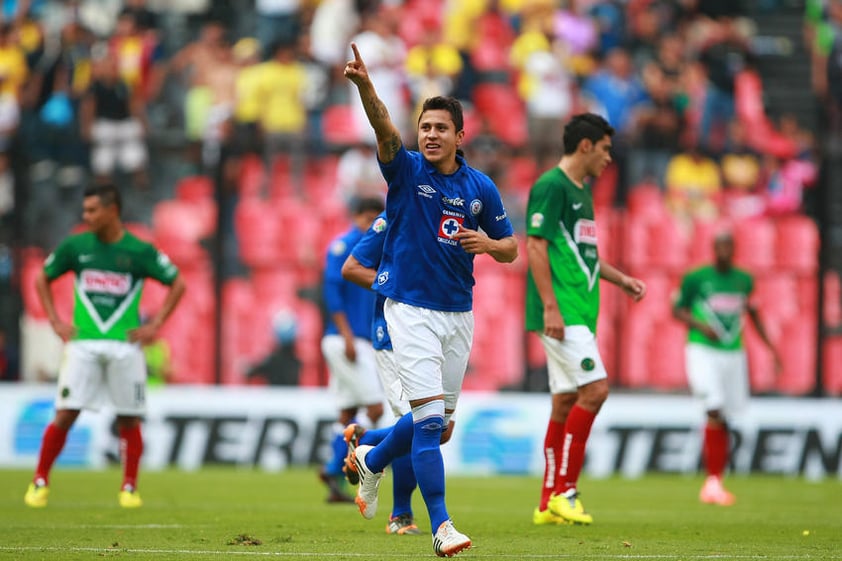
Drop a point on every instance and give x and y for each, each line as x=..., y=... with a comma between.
x=832, y=312
x=646, y=202
x=178, y=228
x=797, y=247
x=252, y=176
x=194, y=188
x=798, y=354
x=666, y=356
x=493, y=100
x=259, y=232
x=339, y=127
x=776, y=297
x=755, y=244
x=832, y=365
x=761, y=364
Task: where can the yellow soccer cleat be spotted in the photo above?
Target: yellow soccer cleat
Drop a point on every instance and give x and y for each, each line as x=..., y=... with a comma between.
x=130, y=498
x=546, y=517
x=569, y=507
x=36, y=495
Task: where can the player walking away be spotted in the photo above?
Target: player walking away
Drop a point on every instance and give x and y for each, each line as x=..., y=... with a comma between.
x=562, y=305
x=435, y=207
x=711, y=302
x=346, y=345
x=361, y=268
x=103, y=358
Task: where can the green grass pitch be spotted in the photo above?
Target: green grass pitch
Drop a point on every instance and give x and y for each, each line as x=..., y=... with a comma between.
x=206, y=515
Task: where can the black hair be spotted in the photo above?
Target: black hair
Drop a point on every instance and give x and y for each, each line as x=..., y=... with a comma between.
x=108, y=194
x=585, y=126
x=366, y=204
x=449, y=104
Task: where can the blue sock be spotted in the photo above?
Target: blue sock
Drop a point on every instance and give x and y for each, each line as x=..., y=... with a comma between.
x=397, y=443
x=340, y=450
x=427, y=461
x=373, y=437
x=403, y=484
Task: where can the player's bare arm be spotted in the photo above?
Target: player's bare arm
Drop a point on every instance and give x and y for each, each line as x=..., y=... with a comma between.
x=148, y=332
x=388, y=138
x=686, y=317
x=632, y=286
x=539, y=264
x=503, y=250
x=357, y=273
x=754, y=315
x=42, y=286
x=344, y=328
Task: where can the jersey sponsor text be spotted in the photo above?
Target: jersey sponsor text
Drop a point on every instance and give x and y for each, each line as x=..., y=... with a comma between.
x=107, y=282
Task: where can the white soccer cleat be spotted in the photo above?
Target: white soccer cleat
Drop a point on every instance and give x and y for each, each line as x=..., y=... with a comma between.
x=448, y=541
x=714, y=493
x=369, y=483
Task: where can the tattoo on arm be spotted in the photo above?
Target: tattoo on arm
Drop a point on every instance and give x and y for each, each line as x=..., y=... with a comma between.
x=393, y=145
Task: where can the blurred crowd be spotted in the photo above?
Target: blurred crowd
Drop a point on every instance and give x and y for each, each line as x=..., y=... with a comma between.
x=81, y=90
x=100, y=90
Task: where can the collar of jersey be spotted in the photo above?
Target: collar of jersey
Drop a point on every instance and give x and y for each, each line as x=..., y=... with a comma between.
x=432, y=169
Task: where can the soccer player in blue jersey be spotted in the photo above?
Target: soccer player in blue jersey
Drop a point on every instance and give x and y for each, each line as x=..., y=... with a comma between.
x=441, y=213
x=361, y=268
x=346, y=344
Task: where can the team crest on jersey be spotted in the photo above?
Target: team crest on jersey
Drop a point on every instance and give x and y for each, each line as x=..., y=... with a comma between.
x=588, y=364
x=379, y=225
x=476, y=206
x=448, y=227
x=383, y=277
x=536, y=220
x=380, y=333
x=338, y=247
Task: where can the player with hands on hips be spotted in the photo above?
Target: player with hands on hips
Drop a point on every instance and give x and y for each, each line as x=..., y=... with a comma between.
x=103, y=358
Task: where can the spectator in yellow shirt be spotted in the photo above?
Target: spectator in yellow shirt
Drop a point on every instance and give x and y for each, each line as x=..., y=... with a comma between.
x=12, y=61
x=284, y=114
x=693, y=183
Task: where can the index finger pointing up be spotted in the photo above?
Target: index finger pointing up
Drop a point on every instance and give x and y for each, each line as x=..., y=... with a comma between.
x=357, y=56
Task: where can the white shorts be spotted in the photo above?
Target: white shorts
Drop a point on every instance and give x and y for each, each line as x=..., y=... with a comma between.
x=354, y=384
x=573, y=362
x=117, y=143
x=431, y=350
x=718, y=378
x=387, y=369
x=94, y=372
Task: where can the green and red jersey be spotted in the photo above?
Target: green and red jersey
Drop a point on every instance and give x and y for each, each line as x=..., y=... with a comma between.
x=562, y=213
x=718, y=299
x=108, y=281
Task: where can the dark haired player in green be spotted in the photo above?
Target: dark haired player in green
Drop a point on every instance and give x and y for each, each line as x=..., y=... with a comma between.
x=103, y=359
x=562, y=305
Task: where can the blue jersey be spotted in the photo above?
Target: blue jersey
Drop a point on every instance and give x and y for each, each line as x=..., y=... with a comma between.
x=344, y=296
x=369, y=252
x=423, y=265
